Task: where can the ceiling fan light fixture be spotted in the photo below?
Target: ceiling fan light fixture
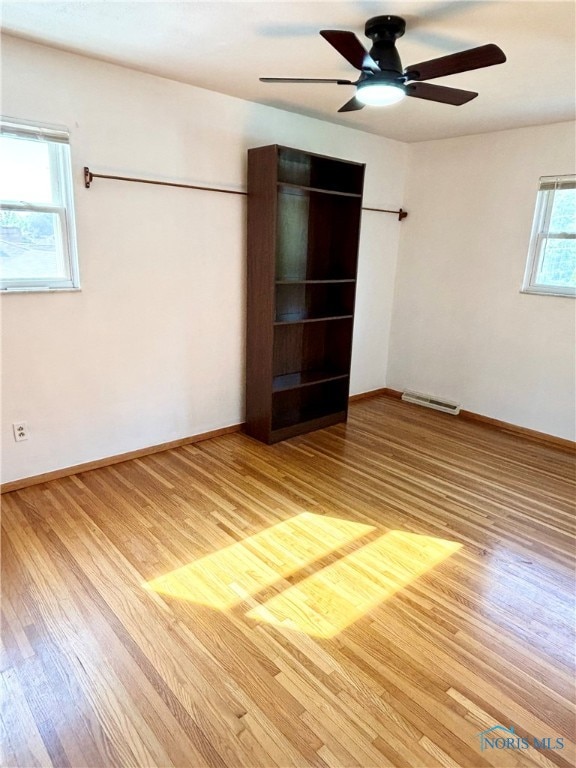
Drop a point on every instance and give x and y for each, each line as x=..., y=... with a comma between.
x=380, y=94
x=384, y=81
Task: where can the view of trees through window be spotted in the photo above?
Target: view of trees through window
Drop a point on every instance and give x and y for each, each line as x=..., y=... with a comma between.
x=558, y=258
x=30, y=244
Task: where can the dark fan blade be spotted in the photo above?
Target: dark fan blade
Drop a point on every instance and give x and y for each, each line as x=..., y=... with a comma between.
x=474, y=58
x=439, y=93
x=304, y=80
x=348, y=45
x=352, y=105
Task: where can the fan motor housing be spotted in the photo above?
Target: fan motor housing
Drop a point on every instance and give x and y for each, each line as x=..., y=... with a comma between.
x=384, y=31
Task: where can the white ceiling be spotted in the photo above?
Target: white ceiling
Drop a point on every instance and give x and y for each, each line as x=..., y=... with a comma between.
x=226, y=46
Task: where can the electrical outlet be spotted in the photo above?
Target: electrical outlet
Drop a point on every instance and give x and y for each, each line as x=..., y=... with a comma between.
x=20, y=431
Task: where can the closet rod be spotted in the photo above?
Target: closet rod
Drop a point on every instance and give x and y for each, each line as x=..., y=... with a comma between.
x=400, y=213
x=89, y=178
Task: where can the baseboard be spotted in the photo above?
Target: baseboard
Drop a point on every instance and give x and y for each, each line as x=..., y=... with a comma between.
x=25, y=482
x=504, y=426
x=514, y=429
x=375, y=393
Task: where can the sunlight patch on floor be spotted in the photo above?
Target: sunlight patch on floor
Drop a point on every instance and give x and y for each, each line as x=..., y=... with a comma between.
x=324, y=604
x=230, y=575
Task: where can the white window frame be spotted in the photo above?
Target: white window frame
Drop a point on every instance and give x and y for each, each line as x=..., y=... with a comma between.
x=58, y=140
x=540, y=235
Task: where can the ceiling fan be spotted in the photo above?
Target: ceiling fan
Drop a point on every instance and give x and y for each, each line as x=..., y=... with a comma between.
x=383, y=81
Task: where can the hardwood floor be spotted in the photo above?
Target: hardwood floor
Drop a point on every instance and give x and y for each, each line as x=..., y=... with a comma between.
x=374, y=594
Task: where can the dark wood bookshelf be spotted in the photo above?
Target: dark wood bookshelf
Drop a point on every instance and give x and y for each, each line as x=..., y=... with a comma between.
x=303, y=230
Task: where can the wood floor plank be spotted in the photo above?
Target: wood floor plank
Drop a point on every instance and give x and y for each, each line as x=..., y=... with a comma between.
x=371, y=595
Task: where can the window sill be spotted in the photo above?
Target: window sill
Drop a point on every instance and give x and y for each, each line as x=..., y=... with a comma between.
x=542, y=292
x=12, y=291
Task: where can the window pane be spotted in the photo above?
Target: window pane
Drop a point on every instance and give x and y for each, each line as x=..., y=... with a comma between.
x=563, y=218
x=31, y=246
x=558, y=262
x=25, y=170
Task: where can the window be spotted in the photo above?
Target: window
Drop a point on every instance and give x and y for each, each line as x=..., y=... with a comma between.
x=37, y=238
x=551, y=267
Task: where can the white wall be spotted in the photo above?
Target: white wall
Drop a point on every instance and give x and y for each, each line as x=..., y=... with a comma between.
x=461, y=328
x=152, y=348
